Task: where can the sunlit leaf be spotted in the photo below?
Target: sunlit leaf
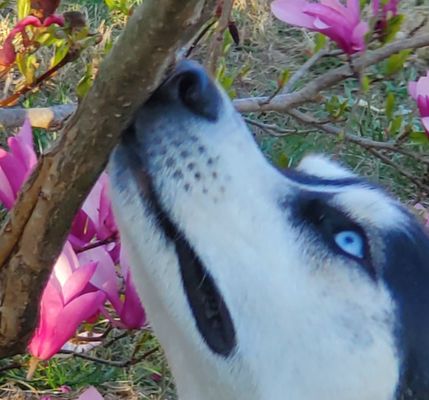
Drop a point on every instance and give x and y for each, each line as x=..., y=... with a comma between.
x=282, y=160
x=283, y=78
x=319, y=42
x=395, y=63
x=23, y=8
x=365, y=83
x=395, y=125
x=86, y=82
x=420, y=137
x=60, y=52
x=393, y=27
x=27, y=65
x=390, y=104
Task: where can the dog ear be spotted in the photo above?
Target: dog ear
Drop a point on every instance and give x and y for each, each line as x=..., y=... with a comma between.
x=407, y=275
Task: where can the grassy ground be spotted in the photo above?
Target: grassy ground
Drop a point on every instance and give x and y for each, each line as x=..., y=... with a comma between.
x=267, y=48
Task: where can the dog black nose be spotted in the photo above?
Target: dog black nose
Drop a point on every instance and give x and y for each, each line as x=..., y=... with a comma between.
x=191, y=85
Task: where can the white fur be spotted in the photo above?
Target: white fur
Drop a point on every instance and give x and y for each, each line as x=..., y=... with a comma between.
x=310, y=325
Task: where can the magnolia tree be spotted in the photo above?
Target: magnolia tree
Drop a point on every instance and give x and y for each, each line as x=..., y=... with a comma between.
x=48, y=223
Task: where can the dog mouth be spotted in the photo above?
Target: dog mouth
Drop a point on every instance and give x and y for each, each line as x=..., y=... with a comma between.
x=210, y=312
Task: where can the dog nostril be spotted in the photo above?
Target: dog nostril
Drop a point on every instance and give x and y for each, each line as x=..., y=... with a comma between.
x=189, y=89
x=197, y=91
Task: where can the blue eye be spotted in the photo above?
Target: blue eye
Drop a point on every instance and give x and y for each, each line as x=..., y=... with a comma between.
x=351, y=242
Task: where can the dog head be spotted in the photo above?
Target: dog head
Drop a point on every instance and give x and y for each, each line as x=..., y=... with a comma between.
x=308, y=284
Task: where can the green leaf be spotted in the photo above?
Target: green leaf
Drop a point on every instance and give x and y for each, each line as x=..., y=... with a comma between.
x=420, y=138
x=395, y=125
x=283, y=78
x=27, y=64
x=111, y=4
x=23, y=8
x=390, y=104
x=319, y=42
x=365, y=83
x=396, y=62
x=86, y=82
x=60, y=52
x=393, y=26
x=4, y=3
x=282, y=160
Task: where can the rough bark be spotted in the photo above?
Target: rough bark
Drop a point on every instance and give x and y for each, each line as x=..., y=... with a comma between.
x=37, y=227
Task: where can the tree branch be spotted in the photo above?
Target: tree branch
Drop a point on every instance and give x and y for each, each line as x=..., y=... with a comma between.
x=50, y=118
x=37, y=227
x=309, y=92
x=370, y=145
x=215, y=48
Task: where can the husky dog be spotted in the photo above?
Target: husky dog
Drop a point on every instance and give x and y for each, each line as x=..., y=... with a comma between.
x=311, y=284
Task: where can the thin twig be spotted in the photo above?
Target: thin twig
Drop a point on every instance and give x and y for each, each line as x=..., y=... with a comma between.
x=115, y=339
x=275, y=130
x=71, y=56
x=199, y=38
x=215, y=48
x=290, y=85
x=118, y=364
x=370, y=145
x=94, y=338
x=98, y=243
x=10, y=367
x=359, y=140
x=401, y=171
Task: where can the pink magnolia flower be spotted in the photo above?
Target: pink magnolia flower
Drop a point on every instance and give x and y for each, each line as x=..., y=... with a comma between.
x=419, y=91
x=95, y=220
x=383, y=12
x=340, y=23
x=65, y=304
x=8, y=52
x=16, y=165
x=132, y=315
x=391, y=6
x=79, y=284
x=130, y=311
x=90, y=394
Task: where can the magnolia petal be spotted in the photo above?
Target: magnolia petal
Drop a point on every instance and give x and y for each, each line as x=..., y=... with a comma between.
x=90, y=394
x=329, y=16
x=67, y=321
x=22, y=146
x=353, y=9
x=105, y=277
x=423, y=86
x=82, y=230
x=7, y=196
x=423, y=105
x=319, y=24
x=358, y=36
x=14, y=169
x=291, y=11
x=412, y=89
x=66, y=264
x=132, y=315
x=78, y=281
x=51, y=306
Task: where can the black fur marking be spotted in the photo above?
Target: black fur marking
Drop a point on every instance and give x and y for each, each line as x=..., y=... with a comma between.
x=313, y=209
x=306, y=179
x=211, y=314
x=406, y=274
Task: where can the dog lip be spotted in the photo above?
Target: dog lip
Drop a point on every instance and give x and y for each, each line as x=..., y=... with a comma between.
x=210, y=312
